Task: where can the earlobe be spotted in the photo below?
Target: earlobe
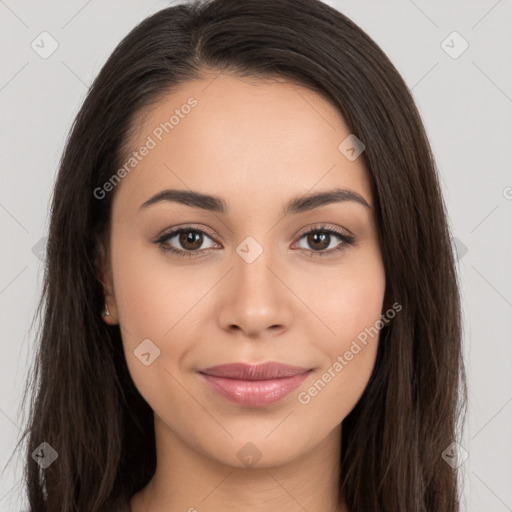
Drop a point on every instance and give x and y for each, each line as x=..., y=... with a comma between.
x=105, y=312
x=109, y=312
x=107, y=316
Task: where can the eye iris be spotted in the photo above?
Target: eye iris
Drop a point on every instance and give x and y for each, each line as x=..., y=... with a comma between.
x=318, y=237
x=191, y=237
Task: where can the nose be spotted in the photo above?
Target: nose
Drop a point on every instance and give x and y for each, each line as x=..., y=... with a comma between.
x=255, y=299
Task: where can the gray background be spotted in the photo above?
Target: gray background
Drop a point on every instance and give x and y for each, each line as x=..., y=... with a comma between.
x=466, y=104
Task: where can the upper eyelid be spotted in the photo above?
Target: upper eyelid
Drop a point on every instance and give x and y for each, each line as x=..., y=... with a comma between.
x=325, y=226
x=174, y=231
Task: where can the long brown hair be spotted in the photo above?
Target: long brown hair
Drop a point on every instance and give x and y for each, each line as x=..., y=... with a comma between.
x=83, y=402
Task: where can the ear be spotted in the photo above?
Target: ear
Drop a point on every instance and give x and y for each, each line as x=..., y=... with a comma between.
x=104, y=272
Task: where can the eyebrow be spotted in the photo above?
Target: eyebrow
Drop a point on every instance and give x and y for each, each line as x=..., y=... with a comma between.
x=296, y=205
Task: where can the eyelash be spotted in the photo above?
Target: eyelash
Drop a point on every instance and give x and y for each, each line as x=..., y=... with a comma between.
x=347, y=240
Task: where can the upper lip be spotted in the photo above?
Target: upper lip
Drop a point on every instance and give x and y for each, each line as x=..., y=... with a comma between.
x=262, y=371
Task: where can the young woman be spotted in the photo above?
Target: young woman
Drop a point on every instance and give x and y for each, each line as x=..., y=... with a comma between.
x=250, y=298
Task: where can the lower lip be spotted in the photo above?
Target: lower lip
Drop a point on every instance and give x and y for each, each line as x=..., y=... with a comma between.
x=255, y=393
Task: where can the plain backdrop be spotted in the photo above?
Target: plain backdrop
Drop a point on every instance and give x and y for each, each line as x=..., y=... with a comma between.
x=464, y=97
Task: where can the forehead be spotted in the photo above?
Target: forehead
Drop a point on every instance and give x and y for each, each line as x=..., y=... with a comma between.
x=230, y=136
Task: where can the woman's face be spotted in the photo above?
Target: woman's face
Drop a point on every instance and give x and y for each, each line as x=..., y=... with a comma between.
x=248, y=284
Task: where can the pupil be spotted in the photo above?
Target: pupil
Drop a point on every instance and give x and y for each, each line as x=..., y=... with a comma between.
x=191, y=237
x=323, y=240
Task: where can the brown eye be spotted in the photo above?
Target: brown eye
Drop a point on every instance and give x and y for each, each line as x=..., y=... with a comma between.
x=190, y=240
x=321, y=241
x=318, y=240
x=184, y=241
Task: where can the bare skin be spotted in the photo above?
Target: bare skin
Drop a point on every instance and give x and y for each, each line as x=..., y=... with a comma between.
x=255, y=145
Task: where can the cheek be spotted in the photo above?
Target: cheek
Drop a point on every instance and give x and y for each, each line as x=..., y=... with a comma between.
x=348, y=298
x=154, y=296
x=152, y=300
x=351, y=307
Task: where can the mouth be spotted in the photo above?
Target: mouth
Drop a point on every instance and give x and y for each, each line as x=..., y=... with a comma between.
x=254, y=385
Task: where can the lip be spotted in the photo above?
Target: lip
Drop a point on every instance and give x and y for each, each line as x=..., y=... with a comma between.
x=254, y=385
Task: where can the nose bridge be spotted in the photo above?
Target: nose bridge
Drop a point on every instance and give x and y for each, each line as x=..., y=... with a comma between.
x=256, y=298
x=254, y=279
